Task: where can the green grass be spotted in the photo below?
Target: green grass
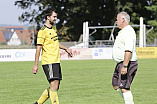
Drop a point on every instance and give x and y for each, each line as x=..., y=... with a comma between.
x=84, y=82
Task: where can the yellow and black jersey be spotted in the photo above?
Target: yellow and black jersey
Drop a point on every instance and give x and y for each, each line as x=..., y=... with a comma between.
x=48, y=38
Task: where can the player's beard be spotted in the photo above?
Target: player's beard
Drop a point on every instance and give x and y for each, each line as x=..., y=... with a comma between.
x=52, y=22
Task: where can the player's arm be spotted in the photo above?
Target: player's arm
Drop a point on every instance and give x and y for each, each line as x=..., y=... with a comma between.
x=37, y=54
x=66, y=49
x=127, y=57
x=129, y=44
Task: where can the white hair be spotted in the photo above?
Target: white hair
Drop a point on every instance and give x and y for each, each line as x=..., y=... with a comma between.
x=125, y=15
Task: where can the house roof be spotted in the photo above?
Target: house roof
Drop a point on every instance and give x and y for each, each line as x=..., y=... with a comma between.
x=2, y=38
x=7, y=35
x=9, y=28
x=24, y=35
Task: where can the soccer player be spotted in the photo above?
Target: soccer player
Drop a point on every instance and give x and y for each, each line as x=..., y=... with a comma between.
x=47, y=41
x=124, y=54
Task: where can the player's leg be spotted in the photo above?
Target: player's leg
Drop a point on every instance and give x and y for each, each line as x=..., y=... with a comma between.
x=115, y=79
x=43, y=97
x=54, y=76
x=128, y=97
x=45, y=94
x=120, y=92
x=53, y=91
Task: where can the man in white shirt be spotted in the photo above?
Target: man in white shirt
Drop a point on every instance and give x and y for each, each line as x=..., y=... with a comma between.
x=124, y=54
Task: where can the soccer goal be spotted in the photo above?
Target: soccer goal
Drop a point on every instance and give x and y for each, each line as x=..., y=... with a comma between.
x=142, y=33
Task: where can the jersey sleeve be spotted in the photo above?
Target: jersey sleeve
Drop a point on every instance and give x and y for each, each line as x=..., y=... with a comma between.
x=128, y=39
x=41, y=37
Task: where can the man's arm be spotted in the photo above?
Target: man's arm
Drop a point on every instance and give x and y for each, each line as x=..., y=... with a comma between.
x=37, y=54
x=126, y=62
x=66, y=49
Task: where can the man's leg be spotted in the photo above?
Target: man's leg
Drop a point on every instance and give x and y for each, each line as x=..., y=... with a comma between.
x=43, y=97
x=119, y=91
x=125, y=94
x=132, y=68
x=128, y=97
x=54, y=85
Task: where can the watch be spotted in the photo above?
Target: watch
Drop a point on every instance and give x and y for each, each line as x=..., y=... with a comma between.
x=125, y=66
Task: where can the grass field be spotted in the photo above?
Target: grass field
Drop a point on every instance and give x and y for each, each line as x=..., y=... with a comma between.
x=84, y=82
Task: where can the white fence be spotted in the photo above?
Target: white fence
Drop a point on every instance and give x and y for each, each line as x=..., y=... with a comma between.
x=7, y=55
x=17, y=55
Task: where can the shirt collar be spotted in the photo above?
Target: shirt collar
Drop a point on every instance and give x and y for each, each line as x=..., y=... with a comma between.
x=123, y=28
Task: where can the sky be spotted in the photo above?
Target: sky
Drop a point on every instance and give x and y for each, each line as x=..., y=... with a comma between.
x=9, y=13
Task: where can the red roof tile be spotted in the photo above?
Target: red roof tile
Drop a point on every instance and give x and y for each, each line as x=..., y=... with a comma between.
x=4, y=28
x=24, y=36
x=2, y=39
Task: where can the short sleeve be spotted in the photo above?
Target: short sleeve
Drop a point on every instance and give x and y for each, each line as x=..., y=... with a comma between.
x=41, y=37
x=129, y=41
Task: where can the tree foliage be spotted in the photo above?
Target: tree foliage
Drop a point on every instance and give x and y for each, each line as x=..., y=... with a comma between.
x=72, y=14
x=152, y=20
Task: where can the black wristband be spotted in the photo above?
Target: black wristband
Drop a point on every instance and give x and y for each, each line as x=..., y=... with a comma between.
x=125, y=66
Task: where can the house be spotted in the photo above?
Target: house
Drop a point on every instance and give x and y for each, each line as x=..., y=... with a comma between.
x=12, y=38
x=16, y=35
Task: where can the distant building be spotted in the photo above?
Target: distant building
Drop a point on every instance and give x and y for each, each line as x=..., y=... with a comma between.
x=12, y=38
x=16, y=35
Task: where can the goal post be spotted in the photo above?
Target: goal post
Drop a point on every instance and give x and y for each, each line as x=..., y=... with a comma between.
x=142, y=32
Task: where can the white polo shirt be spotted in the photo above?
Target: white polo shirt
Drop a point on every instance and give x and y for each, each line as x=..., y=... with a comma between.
x=126, y=40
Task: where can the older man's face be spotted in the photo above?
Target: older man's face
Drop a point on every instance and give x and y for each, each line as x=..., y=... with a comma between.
x=119, y=21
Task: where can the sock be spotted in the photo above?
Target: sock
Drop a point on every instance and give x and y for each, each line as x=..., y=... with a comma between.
x=120, y=92
x=54, y=96
x=128, y=98
x=44, y=96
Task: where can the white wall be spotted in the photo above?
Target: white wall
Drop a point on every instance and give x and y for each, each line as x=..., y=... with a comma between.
x=14, y=40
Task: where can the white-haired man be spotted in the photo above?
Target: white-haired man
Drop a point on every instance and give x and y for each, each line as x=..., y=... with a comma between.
x=124, y=54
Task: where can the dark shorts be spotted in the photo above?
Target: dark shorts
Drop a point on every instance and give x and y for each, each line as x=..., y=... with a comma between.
x=124, y=81
x=52, y=71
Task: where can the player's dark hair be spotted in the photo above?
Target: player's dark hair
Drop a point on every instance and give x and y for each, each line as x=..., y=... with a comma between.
x=49, y=11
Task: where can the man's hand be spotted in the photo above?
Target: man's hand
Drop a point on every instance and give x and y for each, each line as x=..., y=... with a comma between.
x=127, y=57
x=35, y=69
x=69, y=52
x=123, y=71
x=66, y=49
x=37, y=54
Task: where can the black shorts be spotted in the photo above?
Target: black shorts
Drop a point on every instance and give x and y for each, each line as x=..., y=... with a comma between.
x=124, y=81
x=52, y=71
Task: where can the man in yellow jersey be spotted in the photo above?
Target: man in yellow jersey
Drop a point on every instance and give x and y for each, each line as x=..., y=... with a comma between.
x=47, y=41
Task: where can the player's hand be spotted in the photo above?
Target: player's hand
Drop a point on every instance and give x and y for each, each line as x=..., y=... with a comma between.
x=35, y=69
x=123, y=71
x=69, y=51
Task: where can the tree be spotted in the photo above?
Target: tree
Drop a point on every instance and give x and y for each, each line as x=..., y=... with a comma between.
x=152, y=20
x=72, y=14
